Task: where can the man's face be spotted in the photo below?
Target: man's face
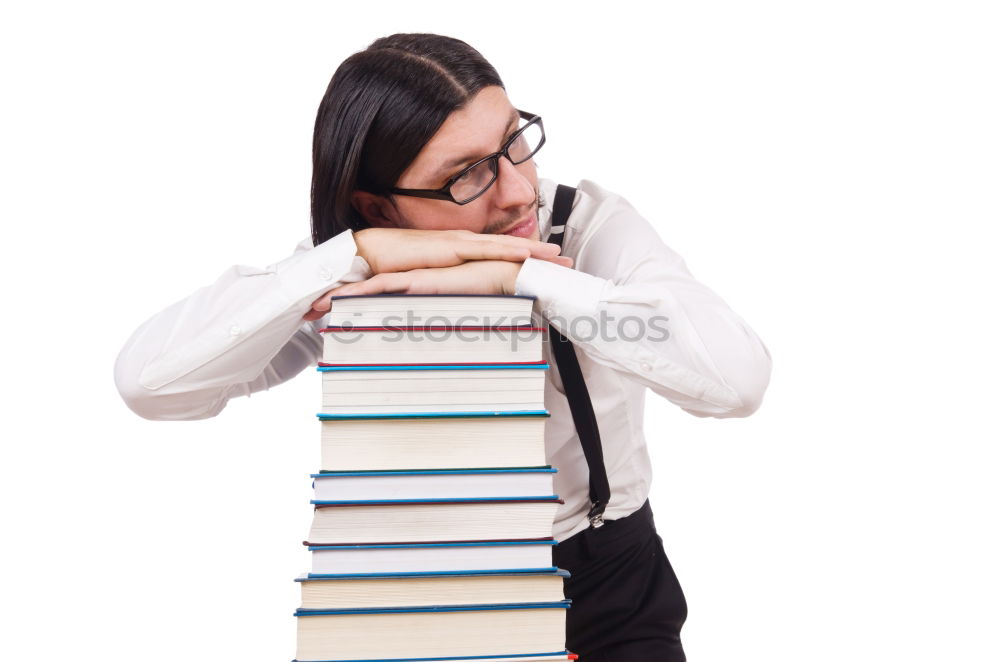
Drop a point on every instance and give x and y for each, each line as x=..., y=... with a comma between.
x=509, y=206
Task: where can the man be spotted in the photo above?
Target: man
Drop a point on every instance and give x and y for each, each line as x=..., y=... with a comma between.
x=424, y=182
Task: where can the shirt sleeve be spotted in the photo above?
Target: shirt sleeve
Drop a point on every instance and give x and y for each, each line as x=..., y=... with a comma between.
x=632, y=304
x=241, y=334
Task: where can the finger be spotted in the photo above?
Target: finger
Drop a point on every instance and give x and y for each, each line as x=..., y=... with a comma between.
x=536, y=247
x=313, y=315
x=514, y=249
x=397, y=281
x=486, y=250
x=544, y=248
x=561, y=260
x=323, y=303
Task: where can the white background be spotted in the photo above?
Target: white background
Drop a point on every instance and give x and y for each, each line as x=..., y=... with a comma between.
x=831, y=169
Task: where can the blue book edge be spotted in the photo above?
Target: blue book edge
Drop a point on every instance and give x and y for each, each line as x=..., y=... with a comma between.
x=384, y=502
x=496, y=658
x=436, y=609
x=539, y=572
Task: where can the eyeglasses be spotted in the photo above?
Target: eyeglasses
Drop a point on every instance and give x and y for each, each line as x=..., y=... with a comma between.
x=476, y=179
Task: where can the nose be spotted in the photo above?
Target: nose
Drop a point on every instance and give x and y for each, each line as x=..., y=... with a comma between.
x=514, y=187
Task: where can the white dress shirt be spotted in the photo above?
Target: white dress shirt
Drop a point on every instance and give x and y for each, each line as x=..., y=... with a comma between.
x=244, y=333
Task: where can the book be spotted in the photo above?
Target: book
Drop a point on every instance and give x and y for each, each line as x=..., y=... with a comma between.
x=445, y=588
x=395, y=310
x=384, y=389
x=376, y=345
x=511, y=629
x=446, y=520
x=432, y=440
x=421, y=558
x=433, y=483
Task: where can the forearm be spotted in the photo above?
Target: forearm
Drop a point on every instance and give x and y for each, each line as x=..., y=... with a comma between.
x=242, y=334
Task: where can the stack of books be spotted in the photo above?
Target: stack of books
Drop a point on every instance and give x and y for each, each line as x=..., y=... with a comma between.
x=432, y=529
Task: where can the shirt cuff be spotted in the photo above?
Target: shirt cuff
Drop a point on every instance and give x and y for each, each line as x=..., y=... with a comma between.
x=335, y=262
x=560, y=292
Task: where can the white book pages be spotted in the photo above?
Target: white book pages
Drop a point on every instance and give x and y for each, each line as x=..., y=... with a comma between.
x=433, y=443
x=410, y=310
x=428, y=591
x=432, y=346
x=431, y=559
x=402, y=391
x=426, y=634
x=428, y=486
x=432, y=522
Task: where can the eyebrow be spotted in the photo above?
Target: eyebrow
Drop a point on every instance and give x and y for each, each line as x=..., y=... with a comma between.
x=451, y=164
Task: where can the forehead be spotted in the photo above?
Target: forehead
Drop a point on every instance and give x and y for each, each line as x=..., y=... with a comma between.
x=473, y=131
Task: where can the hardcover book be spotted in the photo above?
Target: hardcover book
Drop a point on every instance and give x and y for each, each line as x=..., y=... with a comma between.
x=437, y=630
x=378, y=345
x=430, y=310
x=433, y=483
x=440, y=588
x=432, y=520
x=403, y=389
x=420, y=558
x=432, y=440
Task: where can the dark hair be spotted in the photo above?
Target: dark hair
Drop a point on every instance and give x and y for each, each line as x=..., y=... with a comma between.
x=382, y=106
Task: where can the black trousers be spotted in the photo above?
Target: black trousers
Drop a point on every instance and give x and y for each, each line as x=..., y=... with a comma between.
x=627, y=603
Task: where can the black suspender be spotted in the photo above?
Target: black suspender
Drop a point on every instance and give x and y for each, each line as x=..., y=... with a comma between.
x=572, y=379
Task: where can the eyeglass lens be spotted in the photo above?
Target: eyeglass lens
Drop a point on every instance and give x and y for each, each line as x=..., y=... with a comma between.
x=476, y=180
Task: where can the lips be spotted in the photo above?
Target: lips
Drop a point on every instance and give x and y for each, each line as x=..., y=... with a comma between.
x=522, y=228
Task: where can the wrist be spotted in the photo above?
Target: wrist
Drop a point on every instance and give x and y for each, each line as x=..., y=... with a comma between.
x=362, y=240
x=508, y=284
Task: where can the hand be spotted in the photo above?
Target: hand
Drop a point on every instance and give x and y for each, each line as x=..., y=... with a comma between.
x=389, y=250
x=395, y=249
x=473, y=277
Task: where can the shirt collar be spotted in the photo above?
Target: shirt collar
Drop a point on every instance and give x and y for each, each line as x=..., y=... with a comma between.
x=547, y=188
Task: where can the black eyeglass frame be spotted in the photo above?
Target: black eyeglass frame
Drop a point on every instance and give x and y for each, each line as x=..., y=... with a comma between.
x=444, y=193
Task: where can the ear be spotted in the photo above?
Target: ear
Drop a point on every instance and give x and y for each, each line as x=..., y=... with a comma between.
x=377, y=211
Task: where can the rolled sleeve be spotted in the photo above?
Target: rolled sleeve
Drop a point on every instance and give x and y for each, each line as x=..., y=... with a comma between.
x=234, y=336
